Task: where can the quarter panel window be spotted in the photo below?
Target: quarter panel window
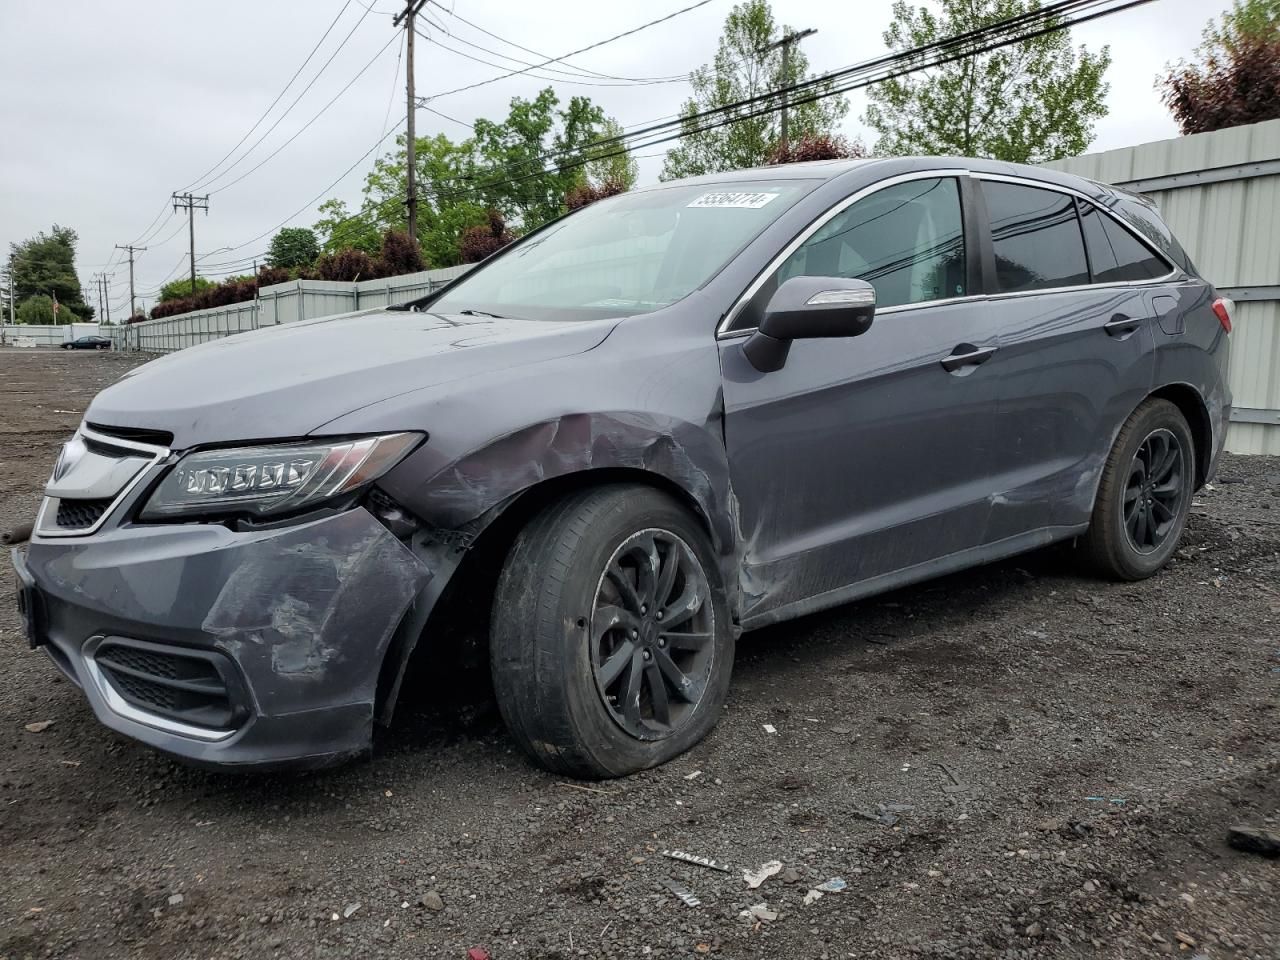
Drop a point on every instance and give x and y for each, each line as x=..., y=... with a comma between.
x=1036, y=238
x=906, y=240
x=1116, y=254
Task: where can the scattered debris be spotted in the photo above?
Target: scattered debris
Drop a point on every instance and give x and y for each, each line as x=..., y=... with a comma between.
x=683, y=893
x=766, y=870
x=791, y=875
x=1258, y=840
x=770, y=728
x=1118, y=801
x=885, y=813
x=695, y=859
x=812, y=897
x=432, y=901
x=956, y=785
x=578, y=786
x=693, y=776
x=834, y=885
x=176, y=900
x=841, y=728
x=478, y=953
x=760, y=912
x=1035, y=930
x=1186, y=938
x=39, y=726
x=349, y=910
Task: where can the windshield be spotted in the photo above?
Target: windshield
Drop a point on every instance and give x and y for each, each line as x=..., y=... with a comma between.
x=629, y=254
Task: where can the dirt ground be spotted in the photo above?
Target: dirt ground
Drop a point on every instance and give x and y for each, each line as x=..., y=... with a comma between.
x=1065, y=754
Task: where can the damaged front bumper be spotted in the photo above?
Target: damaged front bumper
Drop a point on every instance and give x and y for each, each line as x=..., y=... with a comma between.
x=223, y=647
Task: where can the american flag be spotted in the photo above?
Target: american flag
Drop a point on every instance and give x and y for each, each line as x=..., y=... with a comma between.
x=55, y=306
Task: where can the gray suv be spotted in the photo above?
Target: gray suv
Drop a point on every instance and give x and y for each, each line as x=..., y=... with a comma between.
x=677, y=414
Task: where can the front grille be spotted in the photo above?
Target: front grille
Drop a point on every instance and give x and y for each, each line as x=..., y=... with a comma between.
x=80, y=514
x=192, y=687
x=157, y=438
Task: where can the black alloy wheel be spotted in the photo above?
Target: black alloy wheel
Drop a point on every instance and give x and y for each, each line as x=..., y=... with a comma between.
x=1154, y=491
x=652, y=634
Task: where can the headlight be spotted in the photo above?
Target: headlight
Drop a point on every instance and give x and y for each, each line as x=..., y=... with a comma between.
x=274, y=479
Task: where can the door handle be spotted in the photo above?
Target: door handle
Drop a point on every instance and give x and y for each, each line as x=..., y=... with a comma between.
x=1121, y=326
x=966, y=355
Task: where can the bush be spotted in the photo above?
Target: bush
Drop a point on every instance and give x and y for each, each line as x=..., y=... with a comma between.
x=347, y=265
x=39, y=309
x=400, y=255
x=293, y=247
x=483, y=241
x=1237, y=85
x=586, y=194
x=817, y=147
x=269, y=276
x=180, y=289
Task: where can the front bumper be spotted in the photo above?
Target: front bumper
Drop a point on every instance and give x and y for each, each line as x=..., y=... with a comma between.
x=295, y=622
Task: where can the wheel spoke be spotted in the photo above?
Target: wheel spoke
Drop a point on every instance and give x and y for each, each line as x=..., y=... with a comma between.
x=608, y=617
x=1132, y=494
x=681, y=684
x=1161, y=510
x=648, y=561
x=631, y=699
x=612, y=668
x=626, y=589
x=658, y=694
x=685, y=641
x=1166, y=464
x=683, y=607
x=1170, y=488
x=667, y=579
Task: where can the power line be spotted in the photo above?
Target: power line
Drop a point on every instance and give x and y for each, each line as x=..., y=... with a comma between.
x=573, y=53
x=584, y=70
x=205, y=184
x=279, y=96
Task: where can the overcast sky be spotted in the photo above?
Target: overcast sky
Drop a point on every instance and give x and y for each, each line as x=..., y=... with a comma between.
x=109, y=108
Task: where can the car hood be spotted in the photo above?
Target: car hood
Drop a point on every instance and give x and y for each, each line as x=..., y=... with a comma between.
x=290, y=380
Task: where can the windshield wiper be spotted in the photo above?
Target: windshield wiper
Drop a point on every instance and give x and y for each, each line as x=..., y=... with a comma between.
x=482, y=313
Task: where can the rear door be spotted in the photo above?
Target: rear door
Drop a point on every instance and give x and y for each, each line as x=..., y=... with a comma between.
x=1075, y=317
x=865, y=456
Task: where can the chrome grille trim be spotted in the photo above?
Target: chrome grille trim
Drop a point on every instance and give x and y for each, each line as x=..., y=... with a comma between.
x=46, y=525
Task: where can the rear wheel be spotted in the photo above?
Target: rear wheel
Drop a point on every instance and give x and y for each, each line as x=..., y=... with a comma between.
x=611, y=646
x=1144, y=495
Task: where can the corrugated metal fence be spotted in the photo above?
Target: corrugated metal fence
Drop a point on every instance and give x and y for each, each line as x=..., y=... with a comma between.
x=1220, y=192
x=281, y=303
x=49, y=334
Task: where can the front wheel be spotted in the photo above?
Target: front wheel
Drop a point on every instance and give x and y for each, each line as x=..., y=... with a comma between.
x=1144, y=495
x=611, y=646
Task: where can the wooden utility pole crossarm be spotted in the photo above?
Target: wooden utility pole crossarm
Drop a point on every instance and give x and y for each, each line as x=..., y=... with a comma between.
x=786, y=43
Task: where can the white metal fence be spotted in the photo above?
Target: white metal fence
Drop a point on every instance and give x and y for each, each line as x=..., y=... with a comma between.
x=1220, y=192
x=281, y=303
x=49, y=334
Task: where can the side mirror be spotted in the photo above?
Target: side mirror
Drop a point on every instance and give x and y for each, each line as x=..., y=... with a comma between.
x=803, y=308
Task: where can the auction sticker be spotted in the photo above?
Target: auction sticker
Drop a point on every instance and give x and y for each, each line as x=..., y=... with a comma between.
x=748, y=201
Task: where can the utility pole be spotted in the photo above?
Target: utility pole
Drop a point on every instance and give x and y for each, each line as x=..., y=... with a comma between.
x=408, y=16
x=3, y=340
x=191, y=205
x=97, y=282
x=132, y=249
x=786, y=43
x=104, y=298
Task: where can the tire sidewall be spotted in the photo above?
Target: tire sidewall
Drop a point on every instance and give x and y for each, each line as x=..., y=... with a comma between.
x=1135, y=564
x=611, y=747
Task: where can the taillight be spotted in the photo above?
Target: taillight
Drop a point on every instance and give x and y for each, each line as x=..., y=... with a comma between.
x=1222, y=309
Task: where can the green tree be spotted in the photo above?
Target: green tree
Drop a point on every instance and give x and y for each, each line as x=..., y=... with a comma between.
x=177, y=289
x=1025, y=103
x=45, y=265
x=523, y=164
x=293, y=247
x=342, y=229
x=613, y=164
x=39, y=309
x=746, y=67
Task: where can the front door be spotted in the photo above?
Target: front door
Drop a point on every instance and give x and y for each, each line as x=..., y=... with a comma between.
x=865, y=457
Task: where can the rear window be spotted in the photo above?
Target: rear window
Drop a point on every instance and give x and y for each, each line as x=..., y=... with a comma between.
x=1036, y=238
x=1115, y=254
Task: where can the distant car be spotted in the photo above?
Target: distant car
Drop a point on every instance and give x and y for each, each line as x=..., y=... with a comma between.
x=87, y=343
x=674, y=415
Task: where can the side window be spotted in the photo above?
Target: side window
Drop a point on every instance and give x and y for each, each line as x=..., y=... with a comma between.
x=1036, y=236
x=906, y=240
x=1114, y=253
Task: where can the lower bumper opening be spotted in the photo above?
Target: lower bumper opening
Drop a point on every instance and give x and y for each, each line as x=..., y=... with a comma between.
x=191, y=688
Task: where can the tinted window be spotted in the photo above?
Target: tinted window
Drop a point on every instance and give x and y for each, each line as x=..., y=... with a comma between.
x=906, y=241
x=1036, y=236
x=1114, y=253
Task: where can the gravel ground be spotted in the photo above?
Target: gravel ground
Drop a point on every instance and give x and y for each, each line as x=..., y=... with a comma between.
x=1067, y=754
